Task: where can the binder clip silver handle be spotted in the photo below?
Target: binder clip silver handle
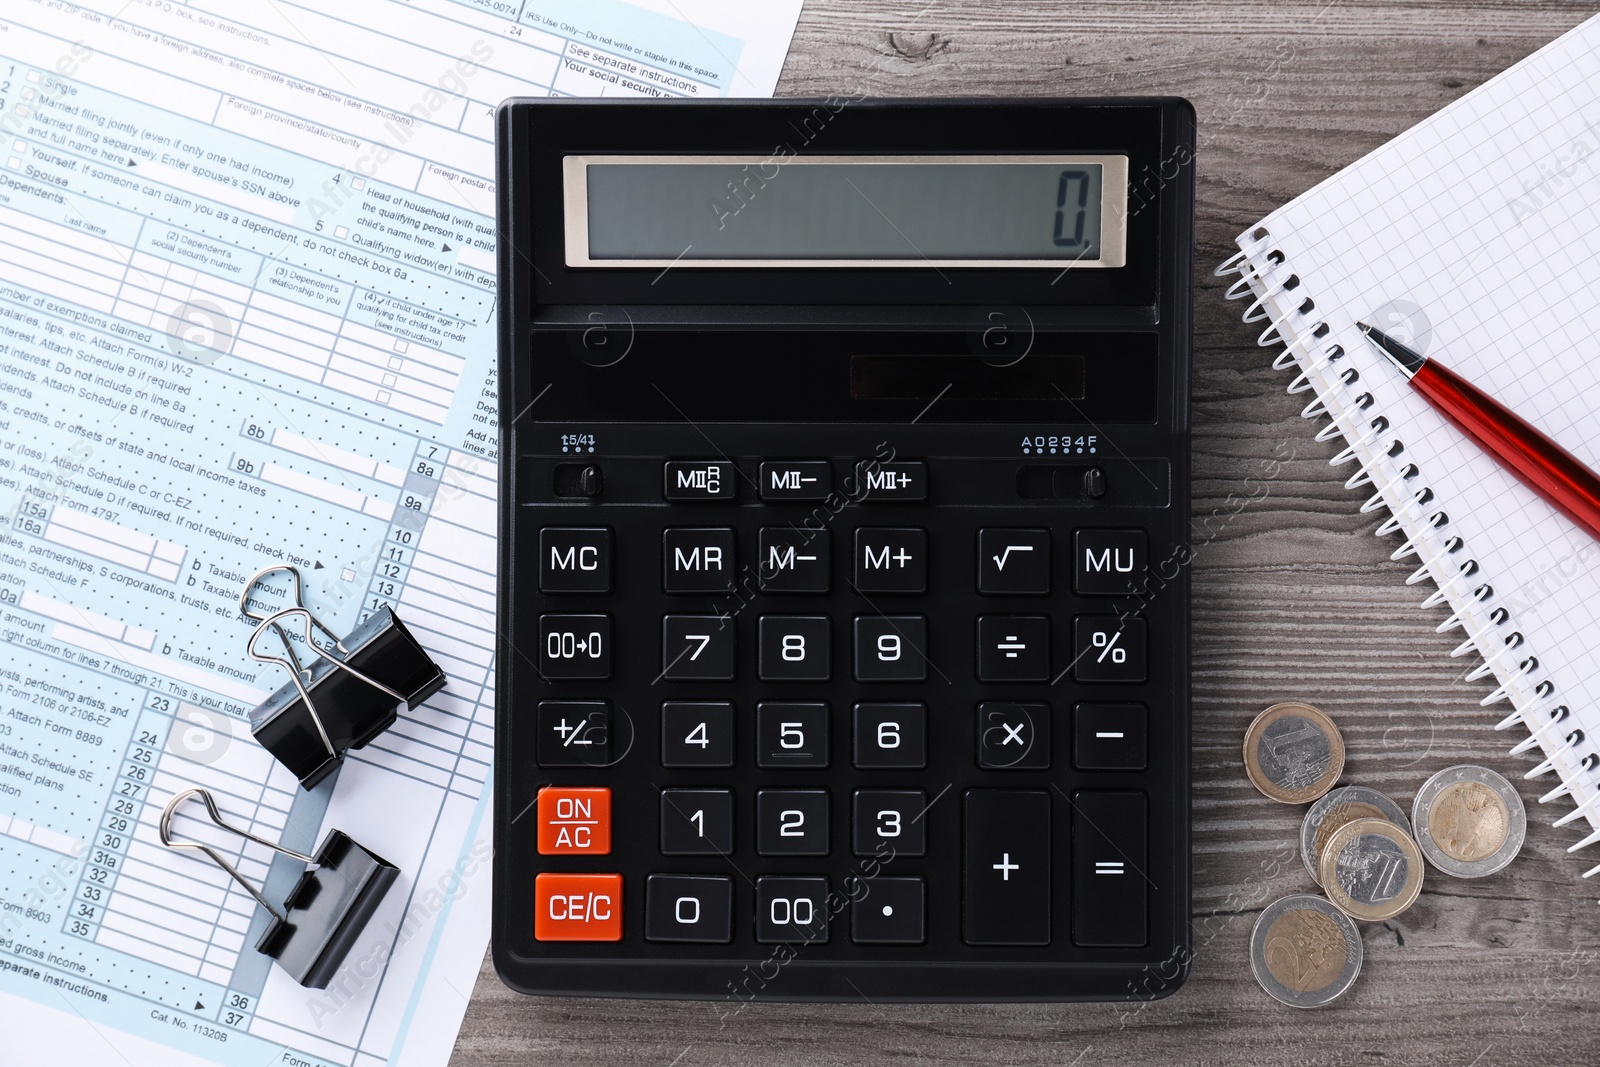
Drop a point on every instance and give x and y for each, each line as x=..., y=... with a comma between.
x=216, y=817
x=347, y=693
x=291, y=662
x=323, y=915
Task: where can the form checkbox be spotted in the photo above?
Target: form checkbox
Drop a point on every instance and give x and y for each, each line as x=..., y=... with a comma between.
x=358, y=184
x=33, y=76
x=29, y=93
x=395, y=362
x=20, y=146
x=384, y=396
x=400, y=346
x=389, y=380
x=14, y=163
x=341, y=231
x=347, y=575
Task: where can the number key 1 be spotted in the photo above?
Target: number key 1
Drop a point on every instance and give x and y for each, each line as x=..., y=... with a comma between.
x=696, y=822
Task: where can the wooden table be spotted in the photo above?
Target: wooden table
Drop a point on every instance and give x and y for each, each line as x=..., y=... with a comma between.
x=1293, y=596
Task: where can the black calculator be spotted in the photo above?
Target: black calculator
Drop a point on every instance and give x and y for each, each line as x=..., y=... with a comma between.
x=844, y=601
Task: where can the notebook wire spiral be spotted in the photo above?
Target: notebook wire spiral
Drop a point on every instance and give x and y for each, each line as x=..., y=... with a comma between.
x=1396, y=484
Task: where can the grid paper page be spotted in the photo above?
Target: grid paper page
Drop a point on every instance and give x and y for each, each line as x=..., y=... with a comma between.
x=1478, y=232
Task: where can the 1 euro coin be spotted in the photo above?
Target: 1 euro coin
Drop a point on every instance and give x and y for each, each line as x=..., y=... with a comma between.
x=1333, y=810
x=1293, y=753
x=1371, y=869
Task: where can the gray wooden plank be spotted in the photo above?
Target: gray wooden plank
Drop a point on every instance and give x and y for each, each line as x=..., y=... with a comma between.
x=1293, y=596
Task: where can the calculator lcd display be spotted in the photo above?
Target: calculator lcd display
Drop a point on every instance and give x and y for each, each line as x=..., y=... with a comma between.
x=1035, y=377
x=795, y=211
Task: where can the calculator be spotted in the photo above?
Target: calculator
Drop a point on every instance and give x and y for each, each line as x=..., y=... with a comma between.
x=843, y=596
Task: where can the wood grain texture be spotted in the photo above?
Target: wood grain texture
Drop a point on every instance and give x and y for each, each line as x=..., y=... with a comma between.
x=1293, y=596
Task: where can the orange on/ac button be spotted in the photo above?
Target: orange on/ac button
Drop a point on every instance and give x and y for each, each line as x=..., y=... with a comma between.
x=574, y=819
x=577, y=907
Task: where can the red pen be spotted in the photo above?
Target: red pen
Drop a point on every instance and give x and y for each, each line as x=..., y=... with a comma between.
x=1541, y=464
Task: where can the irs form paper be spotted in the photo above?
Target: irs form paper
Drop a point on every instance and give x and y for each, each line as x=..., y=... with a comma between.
x=247, y=314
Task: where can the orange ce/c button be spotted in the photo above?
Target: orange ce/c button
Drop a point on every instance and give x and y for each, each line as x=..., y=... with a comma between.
x=577, y=907
x=574, y=819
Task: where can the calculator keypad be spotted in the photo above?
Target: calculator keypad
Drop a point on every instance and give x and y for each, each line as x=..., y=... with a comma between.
x=1108, y=562
x=884, y=814
x=904, y=482
x=574, y=820
x=1106, y=648
x=699, y=481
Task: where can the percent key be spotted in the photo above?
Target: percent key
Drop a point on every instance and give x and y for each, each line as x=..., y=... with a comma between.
x=1108, y=648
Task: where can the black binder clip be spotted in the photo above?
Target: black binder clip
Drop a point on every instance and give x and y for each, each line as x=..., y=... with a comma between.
x=325, y=911
x=350, y=694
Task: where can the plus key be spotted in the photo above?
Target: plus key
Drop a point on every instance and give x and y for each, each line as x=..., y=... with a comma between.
x=1006, y=867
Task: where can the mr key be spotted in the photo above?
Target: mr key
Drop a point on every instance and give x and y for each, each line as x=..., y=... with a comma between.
x=849, y=657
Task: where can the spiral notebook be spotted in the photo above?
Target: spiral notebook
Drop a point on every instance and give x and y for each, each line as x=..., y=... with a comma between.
x=1474, y=237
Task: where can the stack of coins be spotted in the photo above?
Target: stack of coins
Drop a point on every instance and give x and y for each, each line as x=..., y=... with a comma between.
x=1357, y=844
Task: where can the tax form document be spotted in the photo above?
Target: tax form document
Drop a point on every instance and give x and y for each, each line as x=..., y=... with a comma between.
x=247, y=313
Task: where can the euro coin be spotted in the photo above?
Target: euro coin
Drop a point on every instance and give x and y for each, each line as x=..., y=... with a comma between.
x=1304, y=951
x=1333, y=810
x=1469, y=821
x=1293, y=753
x=1371, y=869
